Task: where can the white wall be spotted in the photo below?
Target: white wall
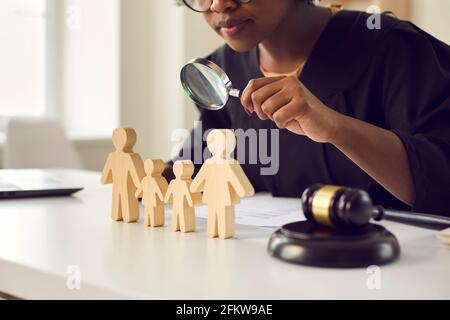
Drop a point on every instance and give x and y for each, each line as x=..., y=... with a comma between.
x=151, y=55
x=90, y=66
x=433, y=16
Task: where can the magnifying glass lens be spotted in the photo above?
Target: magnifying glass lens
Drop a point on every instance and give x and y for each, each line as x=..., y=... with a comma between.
x=204, y=86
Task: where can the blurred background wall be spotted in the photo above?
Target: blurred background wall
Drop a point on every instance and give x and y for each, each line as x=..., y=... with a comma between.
x=93, y=65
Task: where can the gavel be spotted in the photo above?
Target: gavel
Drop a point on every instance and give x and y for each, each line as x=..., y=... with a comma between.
x=341, y=207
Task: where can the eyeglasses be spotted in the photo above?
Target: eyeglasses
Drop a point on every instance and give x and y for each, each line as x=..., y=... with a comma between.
x=205, y=5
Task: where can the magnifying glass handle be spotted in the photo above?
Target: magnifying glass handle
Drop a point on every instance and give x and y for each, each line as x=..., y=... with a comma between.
x=235, y=93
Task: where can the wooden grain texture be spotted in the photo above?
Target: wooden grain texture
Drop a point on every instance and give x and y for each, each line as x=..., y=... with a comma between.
x=124, y=169
x=184, y=201
x=223, y=183
x=152, y=189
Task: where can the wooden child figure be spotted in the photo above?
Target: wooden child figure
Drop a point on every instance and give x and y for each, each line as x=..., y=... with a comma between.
x=184, y=201
x=223, y=183
x=152, y=189
x=124, y=169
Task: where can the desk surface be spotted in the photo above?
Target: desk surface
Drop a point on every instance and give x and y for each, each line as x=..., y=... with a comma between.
x=41, y=238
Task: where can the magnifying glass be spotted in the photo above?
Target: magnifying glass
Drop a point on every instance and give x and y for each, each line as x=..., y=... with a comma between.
x=207, y=84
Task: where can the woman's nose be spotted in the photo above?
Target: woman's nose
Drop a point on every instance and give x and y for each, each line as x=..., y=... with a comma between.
x=223, y=5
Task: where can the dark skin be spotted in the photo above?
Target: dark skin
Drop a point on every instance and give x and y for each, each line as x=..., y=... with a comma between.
x=285, y=32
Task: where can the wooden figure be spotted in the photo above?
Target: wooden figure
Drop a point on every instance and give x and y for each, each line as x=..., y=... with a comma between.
x=444, y=237
x=184, y=201
x=152, y=190
x=124, y=170
x=223, y=183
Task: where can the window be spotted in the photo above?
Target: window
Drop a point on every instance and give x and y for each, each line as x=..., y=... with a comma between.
x=60, y=59
x=22, y=58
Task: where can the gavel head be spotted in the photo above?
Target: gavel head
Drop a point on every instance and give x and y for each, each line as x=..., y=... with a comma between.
x=337, y=207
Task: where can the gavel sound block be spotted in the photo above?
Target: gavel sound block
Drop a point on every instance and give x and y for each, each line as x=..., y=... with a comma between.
x=338, y=232
x=308, y=243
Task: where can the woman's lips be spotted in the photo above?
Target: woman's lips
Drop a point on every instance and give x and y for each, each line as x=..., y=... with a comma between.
x=232, y=28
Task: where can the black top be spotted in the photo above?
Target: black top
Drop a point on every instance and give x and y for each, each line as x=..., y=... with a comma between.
x=397, y=77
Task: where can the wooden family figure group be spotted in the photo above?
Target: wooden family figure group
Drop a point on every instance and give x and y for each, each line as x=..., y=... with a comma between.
x=221, y=180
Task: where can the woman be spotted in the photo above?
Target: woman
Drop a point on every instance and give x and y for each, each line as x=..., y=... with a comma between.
x=361, y=107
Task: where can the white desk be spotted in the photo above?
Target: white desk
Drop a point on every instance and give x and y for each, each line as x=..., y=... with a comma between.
x=40, y=238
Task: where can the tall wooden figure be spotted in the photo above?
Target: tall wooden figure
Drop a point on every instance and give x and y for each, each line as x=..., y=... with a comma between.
x=184, y=201
x=153, y=189
x=124, y=170
x=223, y=183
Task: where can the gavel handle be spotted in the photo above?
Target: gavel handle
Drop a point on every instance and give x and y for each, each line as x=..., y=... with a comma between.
x=421, y=220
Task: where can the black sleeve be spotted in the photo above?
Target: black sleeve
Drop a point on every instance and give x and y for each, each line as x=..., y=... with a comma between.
x=196, y=143
x=415, y=85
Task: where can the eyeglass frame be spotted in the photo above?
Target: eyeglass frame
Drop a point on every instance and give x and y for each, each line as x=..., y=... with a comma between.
x=212, y=2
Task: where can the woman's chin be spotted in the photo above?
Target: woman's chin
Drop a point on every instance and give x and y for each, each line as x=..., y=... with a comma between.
x=241, y=45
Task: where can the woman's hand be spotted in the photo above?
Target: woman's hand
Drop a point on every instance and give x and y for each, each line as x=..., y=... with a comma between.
x=287, y=102
x=377, y=151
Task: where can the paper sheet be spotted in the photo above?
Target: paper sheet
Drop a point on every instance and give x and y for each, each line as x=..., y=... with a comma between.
x=263, y=210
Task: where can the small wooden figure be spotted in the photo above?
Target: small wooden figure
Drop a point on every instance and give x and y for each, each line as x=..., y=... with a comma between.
x=124, y=170
x=184, y=201
x=444, y=237
x=152, y=190
x=223, y=183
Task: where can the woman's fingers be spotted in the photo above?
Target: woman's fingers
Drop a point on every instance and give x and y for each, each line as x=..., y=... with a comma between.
x=253, y=86
x=265, y=94
x=275, y=102
x=295, y=127
x=291, y=111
